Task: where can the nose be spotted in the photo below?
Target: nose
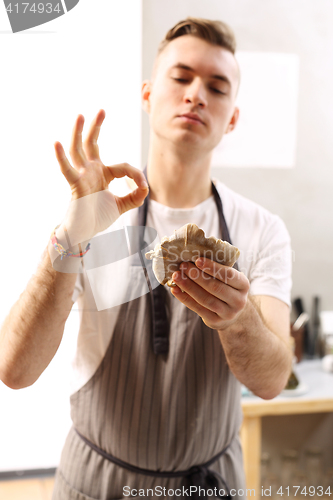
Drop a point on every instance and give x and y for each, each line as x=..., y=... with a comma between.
x=196, y=93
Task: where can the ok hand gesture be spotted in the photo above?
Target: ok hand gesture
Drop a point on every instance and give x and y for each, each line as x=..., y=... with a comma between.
x=93, y=207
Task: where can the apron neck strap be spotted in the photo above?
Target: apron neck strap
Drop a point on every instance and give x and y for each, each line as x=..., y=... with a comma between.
x=160, y=323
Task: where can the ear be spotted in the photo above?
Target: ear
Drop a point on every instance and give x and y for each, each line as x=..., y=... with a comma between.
x=145, y=95
x=233, y=121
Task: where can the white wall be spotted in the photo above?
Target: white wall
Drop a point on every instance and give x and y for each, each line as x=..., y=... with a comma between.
x=85, y=60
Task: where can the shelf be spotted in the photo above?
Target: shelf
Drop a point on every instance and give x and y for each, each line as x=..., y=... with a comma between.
x=318, y=398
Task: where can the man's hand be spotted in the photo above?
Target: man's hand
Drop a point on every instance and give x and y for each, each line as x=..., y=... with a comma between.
x=217, y=293
x=253, y=331
x=93, y=207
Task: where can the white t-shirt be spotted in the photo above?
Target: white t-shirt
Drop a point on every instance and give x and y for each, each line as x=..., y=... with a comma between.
x=265, y=258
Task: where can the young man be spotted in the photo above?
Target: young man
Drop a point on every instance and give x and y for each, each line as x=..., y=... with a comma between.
x=153, y=411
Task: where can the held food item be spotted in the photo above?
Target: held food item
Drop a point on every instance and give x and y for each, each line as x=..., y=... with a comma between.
x=186, y=245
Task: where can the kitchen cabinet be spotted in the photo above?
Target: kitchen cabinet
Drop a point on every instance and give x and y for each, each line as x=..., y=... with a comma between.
x=317, y=398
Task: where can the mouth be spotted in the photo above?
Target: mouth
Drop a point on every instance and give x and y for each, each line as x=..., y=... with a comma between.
x=191, y=118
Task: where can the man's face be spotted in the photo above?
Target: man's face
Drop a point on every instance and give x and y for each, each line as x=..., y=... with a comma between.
x=191, y=98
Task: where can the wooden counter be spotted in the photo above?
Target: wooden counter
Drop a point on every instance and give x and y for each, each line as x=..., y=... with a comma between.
x=317, y=399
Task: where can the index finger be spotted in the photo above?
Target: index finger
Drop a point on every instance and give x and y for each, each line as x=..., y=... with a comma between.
x=123, y=169
x=227, y=274
x=90, y=144
x=136, y=197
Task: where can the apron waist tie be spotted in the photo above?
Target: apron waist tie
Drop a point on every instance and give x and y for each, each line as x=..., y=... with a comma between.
x=199, y=476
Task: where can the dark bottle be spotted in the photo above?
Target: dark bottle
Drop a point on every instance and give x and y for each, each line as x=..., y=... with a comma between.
x=317, y=344
x=298, y=304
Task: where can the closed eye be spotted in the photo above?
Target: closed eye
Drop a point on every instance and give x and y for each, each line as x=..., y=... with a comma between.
x=217, y=91
x=184, y=80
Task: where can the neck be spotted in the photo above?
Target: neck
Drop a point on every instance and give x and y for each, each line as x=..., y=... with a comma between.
x=178, y=179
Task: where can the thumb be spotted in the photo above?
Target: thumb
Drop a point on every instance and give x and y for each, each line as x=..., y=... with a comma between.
x=132, y=200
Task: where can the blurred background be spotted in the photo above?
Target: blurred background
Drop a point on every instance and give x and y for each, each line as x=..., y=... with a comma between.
x=280, y=156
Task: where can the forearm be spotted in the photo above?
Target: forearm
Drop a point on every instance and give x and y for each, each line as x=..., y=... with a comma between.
x=259, y=358
x=33, y=329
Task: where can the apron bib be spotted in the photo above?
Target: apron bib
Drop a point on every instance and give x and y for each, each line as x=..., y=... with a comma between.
x=164, y=410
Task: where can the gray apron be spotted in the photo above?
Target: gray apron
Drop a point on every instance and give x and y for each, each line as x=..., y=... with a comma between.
x=162, y=412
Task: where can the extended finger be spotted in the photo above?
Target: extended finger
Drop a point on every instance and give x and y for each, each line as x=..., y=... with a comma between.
x=227, y=274
x=67, y=170
x=208, y=292
x=90, y=144
x=76, y=150
x=209, y=317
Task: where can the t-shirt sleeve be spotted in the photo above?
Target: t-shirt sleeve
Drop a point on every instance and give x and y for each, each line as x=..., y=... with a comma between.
x=271, y=270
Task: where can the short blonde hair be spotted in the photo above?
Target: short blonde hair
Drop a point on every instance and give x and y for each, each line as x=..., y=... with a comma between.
x=214, y=32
